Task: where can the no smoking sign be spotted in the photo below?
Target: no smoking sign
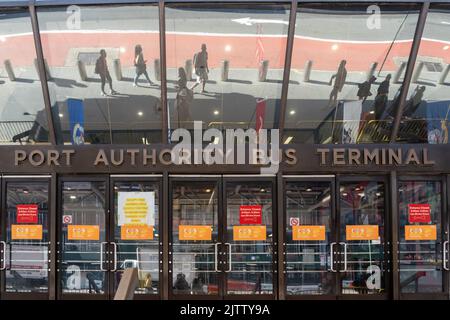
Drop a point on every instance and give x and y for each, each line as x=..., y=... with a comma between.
x=294, y=221
x=67, y=219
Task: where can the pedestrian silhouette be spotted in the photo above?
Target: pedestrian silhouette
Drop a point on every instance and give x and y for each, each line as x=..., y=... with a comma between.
x=183, y=100
x=141, y=65
x=364, y=89
x=414, y=103
x=101, y=68
x=381, y=99
x=201, y=67
x=339, y=82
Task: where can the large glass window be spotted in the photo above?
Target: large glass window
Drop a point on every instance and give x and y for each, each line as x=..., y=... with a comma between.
x=225, y=64
x=348, y=65
x=426, y=115
x=103, y=71
x=22, y=113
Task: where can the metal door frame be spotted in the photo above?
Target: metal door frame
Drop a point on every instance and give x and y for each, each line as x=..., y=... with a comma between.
x=3, y=198
x=155, y=178
x=445, y=185
x=331, y=179
x=83, y=178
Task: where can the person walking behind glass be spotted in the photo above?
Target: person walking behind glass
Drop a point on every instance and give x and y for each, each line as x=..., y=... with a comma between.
x=340, y=77
x=101, y=68
x=201, y=67
x=382, y=97
x=141, y=65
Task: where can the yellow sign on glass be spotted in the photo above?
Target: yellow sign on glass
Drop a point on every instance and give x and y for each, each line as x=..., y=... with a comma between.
x=192, y=232
x=361, y=232
x=26, y=232
x=249, y=233
x=83, y=232
x=308, y=233
x=420, y=232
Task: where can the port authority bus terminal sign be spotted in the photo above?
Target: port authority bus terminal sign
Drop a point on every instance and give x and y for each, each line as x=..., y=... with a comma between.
x=91, y=158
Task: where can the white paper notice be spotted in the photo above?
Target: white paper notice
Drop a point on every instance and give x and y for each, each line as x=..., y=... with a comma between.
x=136, y=208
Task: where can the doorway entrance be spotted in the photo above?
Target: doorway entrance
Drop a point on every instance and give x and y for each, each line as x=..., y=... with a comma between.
x=108, y=224
x=223, y=241
x=337, y=234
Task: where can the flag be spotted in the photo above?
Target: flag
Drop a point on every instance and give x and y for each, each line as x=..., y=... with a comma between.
x=76, y=118
x=260, y=113
x=259, y=45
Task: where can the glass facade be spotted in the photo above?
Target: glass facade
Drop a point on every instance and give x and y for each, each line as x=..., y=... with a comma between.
x=224, y=66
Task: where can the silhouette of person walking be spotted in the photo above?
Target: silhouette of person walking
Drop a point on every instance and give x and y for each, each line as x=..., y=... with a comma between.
x=101, y=68
x=364, y=89
x=339, y=82
x=141, y=65
x=201, y=67
x=382, y=97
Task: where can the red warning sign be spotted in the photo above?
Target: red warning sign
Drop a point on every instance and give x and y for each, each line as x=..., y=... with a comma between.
x=27, y=213
x=419, y=212
x=250, y=214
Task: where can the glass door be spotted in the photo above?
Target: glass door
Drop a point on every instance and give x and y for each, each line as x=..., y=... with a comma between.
x=25, y=239
x=249, y=237
x=84, y=252
x=310, y=238
x=195, y=238
x=135, y=234
x=363, y=246
x=423, y=238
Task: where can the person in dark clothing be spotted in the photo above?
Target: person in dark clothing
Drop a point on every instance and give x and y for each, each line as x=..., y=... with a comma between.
x=197, y=286
x=414, y=103
x=182, y=79
x=340, y=77
x=382, y=97
x=183, y=100
x=101, y=68
x=181, y=283
x=141, y=65
x=364, y=89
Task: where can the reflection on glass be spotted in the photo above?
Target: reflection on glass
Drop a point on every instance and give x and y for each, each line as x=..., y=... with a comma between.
x=103, y=64
x=348, y=65
x=81, y=259
x=362, y=214
x=225, y=64
x=194, y=261
x=249, y=269
x=27, y=259
x=426, y=115
x=141, y=254
x=420, y=261
x=22, y=113
x=308, y=264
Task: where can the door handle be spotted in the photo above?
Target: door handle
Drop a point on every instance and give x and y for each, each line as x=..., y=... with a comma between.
x=115, y=256
x=229, y=256
x=137, y=258
x=101, y=256
x=332, y=257
x=216, y=250
x=3, y=243
x=445, y=258
x=345, y=255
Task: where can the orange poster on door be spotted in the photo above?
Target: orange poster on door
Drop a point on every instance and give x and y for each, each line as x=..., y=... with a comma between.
x=136, y=232
x=26, y=232
x=249, y=233
x=420, y=232
x=361, y=232
x=83, y=232
x=188, y=232
x=308, y=233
